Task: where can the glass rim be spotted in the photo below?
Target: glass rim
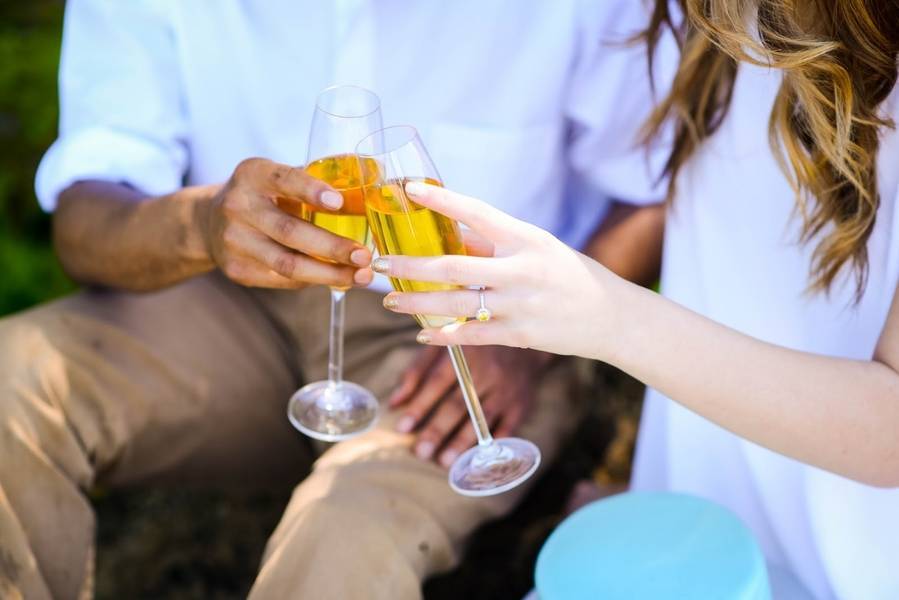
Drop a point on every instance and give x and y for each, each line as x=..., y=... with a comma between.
x=387, y=150
x=359, y=88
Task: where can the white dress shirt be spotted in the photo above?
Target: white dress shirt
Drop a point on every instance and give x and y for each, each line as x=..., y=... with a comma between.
x=732, y=254
x=531, y=105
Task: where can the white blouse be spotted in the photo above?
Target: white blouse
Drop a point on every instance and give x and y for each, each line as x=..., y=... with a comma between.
x=732, y=254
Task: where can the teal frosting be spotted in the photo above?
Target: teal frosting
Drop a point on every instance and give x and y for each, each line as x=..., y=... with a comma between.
x=652, y=545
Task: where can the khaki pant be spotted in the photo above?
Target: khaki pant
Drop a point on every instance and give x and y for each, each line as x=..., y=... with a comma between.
x=191, y=384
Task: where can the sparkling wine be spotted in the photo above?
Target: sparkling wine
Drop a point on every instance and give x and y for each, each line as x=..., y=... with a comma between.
x=401, y=226
x=334, y=409
x=342, y=172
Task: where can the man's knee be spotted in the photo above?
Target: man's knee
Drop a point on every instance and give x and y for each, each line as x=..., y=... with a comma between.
x=325, y=532
x=33, y=385
x=29, y=363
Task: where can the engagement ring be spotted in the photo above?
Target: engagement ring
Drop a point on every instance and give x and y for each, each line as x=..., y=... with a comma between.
x=483, y=315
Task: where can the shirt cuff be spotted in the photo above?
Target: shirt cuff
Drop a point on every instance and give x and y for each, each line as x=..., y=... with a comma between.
x=109, y=155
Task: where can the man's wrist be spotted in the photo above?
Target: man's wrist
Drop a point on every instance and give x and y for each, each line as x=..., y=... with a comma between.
x=629, y=242
x=197, y=204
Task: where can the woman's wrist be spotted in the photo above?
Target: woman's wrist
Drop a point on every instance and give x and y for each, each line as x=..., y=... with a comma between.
x=620, y=320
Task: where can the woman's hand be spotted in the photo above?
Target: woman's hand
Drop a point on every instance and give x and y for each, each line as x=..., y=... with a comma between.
x=541, y=293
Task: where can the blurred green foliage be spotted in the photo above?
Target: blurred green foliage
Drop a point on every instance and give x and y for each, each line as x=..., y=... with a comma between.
x=29, y=57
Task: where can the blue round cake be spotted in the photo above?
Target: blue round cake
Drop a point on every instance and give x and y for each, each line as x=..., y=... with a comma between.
x=651, y=545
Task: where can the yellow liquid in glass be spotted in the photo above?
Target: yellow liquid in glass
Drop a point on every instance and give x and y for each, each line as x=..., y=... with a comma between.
x=401, y=226
x=342, y=173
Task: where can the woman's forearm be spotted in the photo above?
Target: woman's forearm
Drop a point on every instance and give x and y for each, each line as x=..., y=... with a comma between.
x=838, y=414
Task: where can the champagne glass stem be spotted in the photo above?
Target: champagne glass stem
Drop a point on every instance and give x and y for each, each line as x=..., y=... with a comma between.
x=472, y=403
x=335, y=351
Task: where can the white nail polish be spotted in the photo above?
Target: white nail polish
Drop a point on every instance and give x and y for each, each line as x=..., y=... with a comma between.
x=448, y=458
x=331, y=199
x=415, y=188
x=424, y=450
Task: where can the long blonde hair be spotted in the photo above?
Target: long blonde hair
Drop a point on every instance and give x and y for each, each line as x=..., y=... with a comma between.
x=839, y=62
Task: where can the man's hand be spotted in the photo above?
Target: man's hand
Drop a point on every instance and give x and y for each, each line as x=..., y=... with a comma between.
x=110, y=234
x=255, y=241
x=505, y=378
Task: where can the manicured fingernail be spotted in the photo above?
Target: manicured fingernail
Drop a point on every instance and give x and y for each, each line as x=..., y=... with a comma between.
x=423, y=338
x=380, y=265
x=448, y=458
x=331, y=199
x=415, y=188
x=391, y=302
x=360, y=256
x=405, y=425
x=424, y=450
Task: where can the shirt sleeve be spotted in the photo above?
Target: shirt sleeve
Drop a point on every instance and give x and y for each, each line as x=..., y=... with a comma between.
x=610, y=99
x=122, y=114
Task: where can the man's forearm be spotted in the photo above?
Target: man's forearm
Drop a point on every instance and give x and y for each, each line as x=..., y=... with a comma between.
x=112, y=235
x=629, y=242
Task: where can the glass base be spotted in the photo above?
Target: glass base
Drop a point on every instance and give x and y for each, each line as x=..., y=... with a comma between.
x=333, y=412
x=489, y=470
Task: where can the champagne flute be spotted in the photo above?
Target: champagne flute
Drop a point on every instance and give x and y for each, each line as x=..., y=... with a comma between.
x=334, y=409
x=390, y=158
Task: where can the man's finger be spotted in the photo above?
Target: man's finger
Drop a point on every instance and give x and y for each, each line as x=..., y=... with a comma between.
x=305, y=237
x=260, y=175
x=296, y=184
x=441, y=426
x=413, y=375
x=464, y=439
x=292, y=265
x=439, y=381
x=251, y=273
x=511, y=419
